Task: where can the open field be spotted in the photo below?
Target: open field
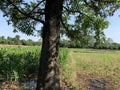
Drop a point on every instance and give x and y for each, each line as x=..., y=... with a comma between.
x=81, y=69
x=90, y=69
x=12, y=46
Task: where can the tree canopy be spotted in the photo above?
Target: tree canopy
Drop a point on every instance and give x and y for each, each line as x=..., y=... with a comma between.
x=89, y=15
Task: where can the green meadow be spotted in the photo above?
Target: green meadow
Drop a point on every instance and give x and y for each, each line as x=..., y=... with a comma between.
x=81, y=69
x=87, y=69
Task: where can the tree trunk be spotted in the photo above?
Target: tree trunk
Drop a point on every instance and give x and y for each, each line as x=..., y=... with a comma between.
x=97, y=38
x=48, y=77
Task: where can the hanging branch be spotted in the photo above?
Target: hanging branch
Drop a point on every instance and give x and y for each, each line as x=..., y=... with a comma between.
x=36, y=7
x=63, y=24
x=25, y=14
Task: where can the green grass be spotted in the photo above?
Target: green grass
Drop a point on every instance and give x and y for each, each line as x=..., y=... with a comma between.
x=77, y=66
x=91, y=63
x=19, y=61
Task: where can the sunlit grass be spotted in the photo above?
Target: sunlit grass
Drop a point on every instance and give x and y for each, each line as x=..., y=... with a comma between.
x=76, y=65
x=98, y=64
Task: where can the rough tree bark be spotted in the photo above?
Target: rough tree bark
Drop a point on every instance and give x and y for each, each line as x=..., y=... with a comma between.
x=48, y=77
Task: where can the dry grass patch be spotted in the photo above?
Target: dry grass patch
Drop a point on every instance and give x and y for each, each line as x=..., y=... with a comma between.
x=93, y=66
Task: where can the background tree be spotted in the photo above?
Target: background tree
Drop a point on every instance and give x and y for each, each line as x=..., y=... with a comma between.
x=17, y=41
x=2, y=40
x=99, y=33
x=9, y=40
x=24, y=17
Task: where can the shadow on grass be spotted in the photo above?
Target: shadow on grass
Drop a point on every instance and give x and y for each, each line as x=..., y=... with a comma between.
x=97, y=84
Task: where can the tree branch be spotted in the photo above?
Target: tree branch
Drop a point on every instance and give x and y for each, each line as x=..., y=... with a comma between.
x=77, y=11
x=63, y=24
x=36, y=6
x=86, y=2
x=72, y=11
x=41, y=13
x=25, y=14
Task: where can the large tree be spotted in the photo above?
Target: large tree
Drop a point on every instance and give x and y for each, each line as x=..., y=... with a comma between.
x=25, y=15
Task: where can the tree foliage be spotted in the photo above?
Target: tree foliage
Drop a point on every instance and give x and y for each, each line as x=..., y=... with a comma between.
x=25, y=15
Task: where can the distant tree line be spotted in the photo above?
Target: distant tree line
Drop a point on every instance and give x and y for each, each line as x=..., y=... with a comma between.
x=17, y=41
x=106, y=44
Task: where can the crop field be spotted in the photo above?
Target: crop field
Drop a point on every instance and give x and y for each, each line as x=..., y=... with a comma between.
x=80, y=69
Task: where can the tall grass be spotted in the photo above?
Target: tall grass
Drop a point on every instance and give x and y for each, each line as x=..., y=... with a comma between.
x=19, y=62
x=63, y=55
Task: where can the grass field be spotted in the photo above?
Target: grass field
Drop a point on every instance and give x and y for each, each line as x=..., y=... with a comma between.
x=90, y=69
x=81, y=69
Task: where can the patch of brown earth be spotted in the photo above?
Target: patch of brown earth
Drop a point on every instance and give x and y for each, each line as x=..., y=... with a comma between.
x=86, y=82
x=65, y=85
x=99, y=84
x=9, y=86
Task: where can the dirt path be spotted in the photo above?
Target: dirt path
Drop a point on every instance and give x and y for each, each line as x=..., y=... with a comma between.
x=69, y=81
x=72, y=63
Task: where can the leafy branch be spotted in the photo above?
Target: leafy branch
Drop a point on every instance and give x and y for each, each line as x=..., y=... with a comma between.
x=26, y=14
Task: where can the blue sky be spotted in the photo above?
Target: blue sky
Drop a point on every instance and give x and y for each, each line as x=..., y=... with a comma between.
x=7, y=30
x=113, y=31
